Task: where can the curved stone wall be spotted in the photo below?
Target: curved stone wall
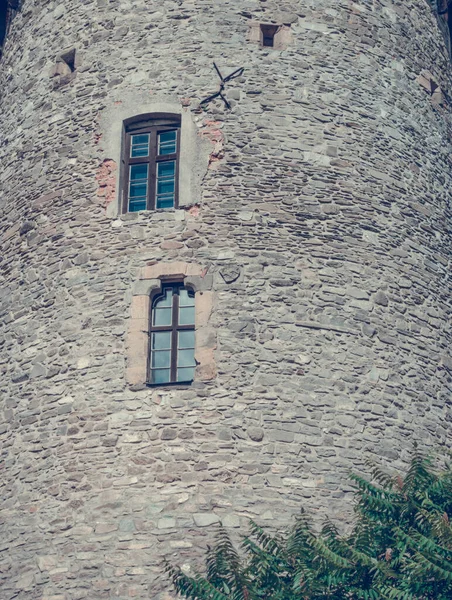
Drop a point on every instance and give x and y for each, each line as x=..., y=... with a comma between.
x=320, y=210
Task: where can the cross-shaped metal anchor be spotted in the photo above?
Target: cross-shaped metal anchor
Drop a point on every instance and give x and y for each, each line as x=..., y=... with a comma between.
x=223, y=80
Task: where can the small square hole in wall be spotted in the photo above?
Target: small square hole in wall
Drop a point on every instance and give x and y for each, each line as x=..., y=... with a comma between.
x=268, y=33
x=65, y=68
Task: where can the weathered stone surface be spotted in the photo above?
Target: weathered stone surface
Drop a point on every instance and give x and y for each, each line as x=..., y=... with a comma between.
x=256, y=433
x=320, y=234
x=381, y=298
x=205, y=519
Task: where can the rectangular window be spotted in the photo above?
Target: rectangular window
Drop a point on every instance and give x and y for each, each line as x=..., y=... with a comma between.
x=161, y=356
x=166, y=184
x=186, y=308
x=138, y=187
x=167, y=142
x=151, y=160
x=186, y=355
x=139, y=145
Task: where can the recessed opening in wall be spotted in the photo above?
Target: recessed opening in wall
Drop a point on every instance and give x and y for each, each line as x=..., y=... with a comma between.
x=8, y=10
x=3, y=13
x=69, y=59
x=443, y=10
x=431, y=86
x=268, y=33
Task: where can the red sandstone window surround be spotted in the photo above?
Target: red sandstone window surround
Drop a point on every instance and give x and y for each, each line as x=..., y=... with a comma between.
x=182, y=294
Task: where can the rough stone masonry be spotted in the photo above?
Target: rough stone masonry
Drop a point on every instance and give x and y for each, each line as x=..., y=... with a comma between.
x=318, y=208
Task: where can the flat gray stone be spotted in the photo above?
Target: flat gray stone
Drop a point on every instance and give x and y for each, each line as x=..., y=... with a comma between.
x=205, y=519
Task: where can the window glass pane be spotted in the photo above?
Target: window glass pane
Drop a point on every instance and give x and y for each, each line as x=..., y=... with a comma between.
x=162, y=316
x=162, y=359
x=166, y=169
x=139, y=145
x=186, y=297
x=165, y=187
x=167, y=142
x=138, y=187
x=138, y=172
x=165, y=300
x=186, y=358
x=162, y=309
x=186, y=315
x=165, y=201
x=136, y=206
x=137, y=190
x=165, y=184
x=161, y=340
x=186, y=339
x=186, y=374
x=160, y=376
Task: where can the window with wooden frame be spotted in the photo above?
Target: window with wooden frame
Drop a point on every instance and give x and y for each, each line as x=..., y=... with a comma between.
x=172, y=336
x=151, y=163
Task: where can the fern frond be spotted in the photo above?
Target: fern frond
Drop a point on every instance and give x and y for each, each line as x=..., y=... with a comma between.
x=329, y=557
x=419, y=475
x=384, y=480
x=194, y=588
x=400, y=548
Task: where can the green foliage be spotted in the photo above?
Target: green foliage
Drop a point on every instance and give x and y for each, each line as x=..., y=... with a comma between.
x=400, y=548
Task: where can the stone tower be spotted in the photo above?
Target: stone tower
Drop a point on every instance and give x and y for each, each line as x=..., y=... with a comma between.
x=311, y=231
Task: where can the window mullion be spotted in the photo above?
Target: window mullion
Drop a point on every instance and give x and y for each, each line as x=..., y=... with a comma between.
x=176, y=171
x=175, y=322
x=152, y=167
x=126, y=163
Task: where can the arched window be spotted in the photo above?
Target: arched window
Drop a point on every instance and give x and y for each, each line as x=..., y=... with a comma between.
x=169, y=302
x=151, y=163
x=172, y=336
